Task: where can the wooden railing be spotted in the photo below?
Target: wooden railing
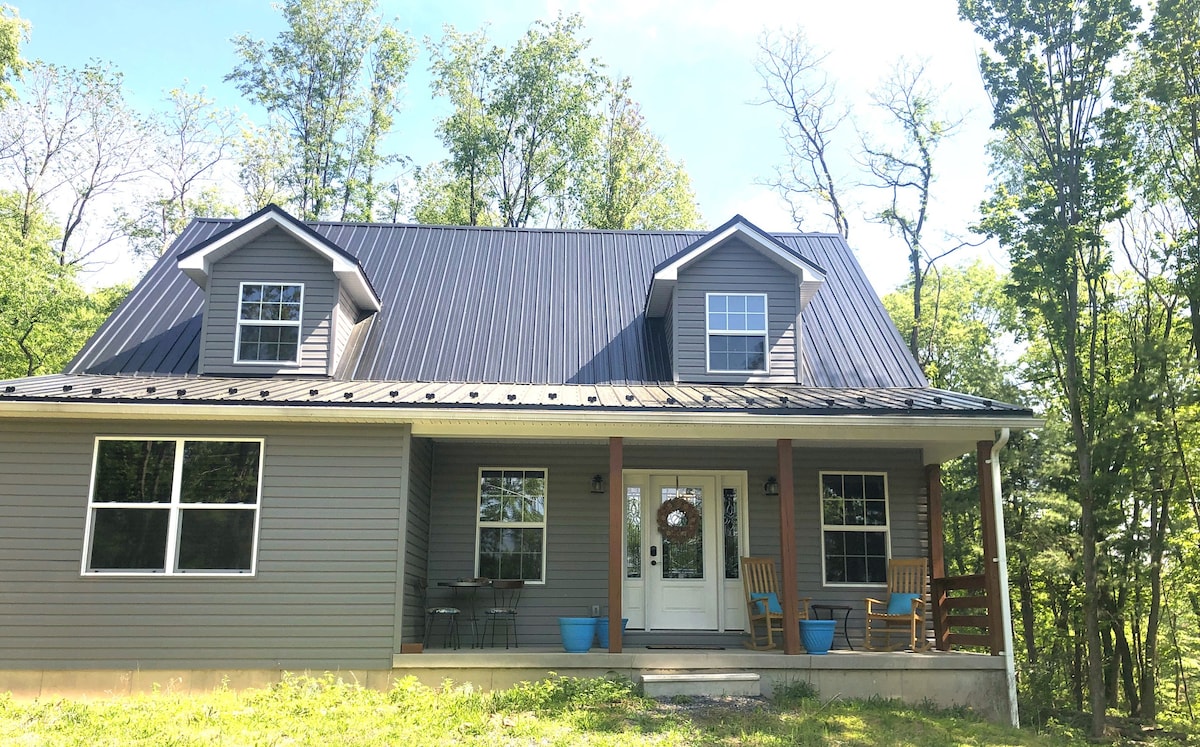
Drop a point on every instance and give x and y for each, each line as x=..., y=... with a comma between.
x=964, y=615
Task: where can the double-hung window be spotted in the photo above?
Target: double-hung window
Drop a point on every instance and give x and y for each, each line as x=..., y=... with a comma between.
x=268, y=329
x=854, y=527
x=736, y=332
x=512, y=524
x=174, y=505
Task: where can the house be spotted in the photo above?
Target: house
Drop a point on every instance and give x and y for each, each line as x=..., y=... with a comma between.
x=287, y=430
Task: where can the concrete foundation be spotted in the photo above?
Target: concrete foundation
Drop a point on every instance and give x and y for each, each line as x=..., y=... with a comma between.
x=975, y=681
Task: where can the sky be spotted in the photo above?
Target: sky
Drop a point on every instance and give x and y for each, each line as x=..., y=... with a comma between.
x=691, y=63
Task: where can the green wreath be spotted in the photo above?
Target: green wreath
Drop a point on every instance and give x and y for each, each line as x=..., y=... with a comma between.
x=688, y=525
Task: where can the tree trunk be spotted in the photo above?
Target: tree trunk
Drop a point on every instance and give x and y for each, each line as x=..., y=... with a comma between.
x=1091, y=585
x=1124, y=662
x=1025, y=588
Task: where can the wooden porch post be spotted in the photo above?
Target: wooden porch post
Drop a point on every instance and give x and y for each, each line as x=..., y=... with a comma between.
x=616, y=549
x=937, y=555
x=787, y=548
x=991, y=551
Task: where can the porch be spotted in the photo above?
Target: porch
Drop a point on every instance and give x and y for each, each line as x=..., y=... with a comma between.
x=597, y=565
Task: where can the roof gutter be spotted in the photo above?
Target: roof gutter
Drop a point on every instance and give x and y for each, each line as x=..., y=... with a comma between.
x=386, y=414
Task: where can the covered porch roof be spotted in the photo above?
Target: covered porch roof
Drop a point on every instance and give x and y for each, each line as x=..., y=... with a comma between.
x=941, y=423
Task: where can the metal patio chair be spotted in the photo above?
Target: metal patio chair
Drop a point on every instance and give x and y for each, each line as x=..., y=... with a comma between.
x=505, y=597
x=434, y=613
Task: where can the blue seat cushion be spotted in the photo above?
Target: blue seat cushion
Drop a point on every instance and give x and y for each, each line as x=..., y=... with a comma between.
x=901, y=604
x=772, y=601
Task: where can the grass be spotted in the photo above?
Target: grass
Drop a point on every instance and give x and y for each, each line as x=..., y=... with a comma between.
x=329, y=712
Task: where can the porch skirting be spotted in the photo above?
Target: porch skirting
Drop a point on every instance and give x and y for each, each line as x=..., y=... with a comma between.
x=946, y=679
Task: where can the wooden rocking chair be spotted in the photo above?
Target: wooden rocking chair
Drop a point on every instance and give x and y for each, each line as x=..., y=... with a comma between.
x=764, y=604
x=901, y=617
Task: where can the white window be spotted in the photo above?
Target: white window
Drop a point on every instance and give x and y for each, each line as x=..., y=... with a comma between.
x=163, y=505
x=268, y=327
x=511, y=524
x=736, y=332
x=854, y=527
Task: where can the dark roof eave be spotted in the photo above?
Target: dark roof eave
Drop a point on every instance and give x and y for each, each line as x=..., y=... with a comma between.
x=527, y=406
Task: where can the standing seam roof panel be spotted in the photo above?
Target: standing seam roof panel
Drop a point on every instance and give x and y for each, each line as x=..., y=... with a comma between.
x=464, y=304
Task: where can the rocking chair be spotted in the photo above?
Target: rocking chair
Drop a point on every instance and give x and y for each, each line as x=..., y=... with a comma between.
x=902, y=616
x=763, y=603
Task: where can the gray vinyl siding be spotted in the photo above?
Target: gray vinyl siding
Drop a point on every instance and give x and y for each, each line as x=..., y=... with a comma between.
x=577, y=524
x=735, y=268
x=344, y=318
x=323, y=595
x=669, y=332
x=274, y=257
x=416, y=549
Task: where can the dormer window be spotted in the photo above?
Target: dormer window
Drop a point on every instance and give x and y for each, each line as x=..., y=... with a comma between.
x=268, y=327
x=737, y=332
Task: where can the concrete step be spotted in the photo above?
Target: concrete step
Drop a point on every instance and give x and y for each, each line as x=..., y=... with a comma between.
x=700, y=683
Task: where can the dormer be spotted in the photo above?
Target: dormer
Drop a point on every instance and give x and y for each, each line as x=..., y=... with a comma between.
x=731, y=305
x=280, y=299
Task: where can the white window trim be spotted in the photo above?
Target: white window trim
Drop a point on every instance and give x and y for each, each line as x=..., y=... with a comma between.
x=298, y=324
x=543, y=524
x=175, y=507
x=885, y=528
x=708, y=333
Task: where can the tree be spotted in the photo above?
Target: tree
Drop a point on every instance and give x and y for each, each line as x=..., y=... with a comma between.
x=443, y=198
x=1164, y=86
x=188, y=145
x=45, y=315
x=790, y=68
x=969, y=314
x=1049, y=75
x=905, y=171
x=334, y=76
x=631, y=183
x=71, y=141
x=262, y=159
x=13, y=31
x=522, y=119
x=464, y=67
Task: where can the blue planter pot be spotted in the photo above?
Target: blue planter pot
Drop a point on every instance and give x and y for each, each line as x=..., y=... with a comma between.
x=817, y=635
x=577, y=633
x=602, y=630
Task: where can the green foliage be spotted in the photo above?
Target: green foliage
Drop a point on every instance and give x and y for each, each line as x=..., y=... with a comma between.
x=45, y=315
x=1050, y=75
x=334, y=77
x=522, y=120
x=527, y=145
x=968, y=317
x=13, y=31
x=334, y=710
x=630, y=182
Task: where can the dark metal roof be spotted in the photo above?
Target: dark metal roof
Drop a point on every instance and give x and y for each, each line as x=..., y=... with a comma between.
x=529, y=306
x=775, y=399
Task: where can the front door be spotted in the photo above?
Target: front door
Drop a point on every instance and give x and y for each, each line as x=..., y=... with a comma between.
x=682, y=583
x=687, y=579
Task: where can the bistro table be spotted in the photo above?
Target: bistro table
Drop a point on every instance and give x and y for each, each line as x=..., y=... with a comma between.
x=829, y=609
x=465, y=589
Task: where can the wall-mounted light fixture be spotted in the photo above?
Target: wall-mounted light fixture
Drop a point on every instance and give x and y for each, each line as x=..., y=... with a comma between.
x=598, y=484
x=771, y=486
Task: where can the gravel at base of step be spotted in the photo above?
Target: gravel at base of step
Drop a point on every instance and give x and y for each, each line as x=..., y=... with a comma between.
x=700, y=703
